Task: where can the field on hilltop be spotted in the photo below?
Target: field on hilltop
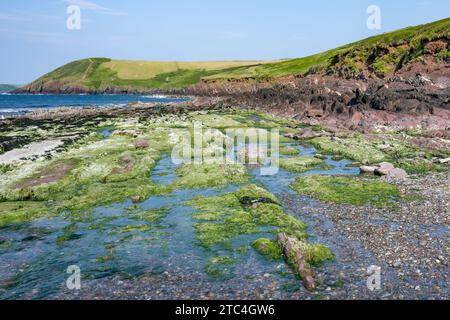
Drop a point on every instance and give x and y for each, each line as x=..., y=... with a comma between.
x=147, y=69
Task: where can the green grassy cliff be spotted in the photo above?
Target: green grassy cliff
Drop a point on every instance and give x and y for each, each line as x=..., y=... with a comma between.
x=379, y=56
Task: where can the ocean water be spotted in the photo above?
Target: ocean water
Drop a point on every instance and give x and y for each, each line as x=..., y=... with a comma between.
x=13, y=104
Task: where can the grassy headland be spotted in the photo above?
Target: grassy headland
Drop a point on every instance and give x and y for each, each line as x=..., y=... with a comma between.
x=380, y=56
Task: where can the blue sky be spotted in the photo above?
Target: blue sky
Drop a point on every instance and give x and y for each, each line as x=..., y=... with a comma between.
x=34, y=37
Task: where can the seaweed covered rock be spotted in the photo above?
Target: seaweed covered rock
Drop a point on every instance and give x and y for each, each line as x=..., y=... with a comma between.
x=302, y=256
x=347, y=190
x=253, y=201
x=269, y=248
x=141, y=144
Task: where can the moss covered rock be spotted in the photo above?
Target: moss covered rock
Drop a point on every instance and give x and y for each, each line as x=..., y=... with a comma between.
x=347, y=190
x=268, y=248
x=299, y=164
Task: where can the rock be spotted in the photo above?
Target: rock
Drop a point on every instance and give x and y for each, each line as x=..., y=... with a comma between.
x=250, y=201
x=368, y=169
x=423, y=243
x=291, y=249
x=306, y=134
x=141, y=144
x=395, y=175
x=384, y=168
x=136, y=199
x=125, y=159
x=130, y=133
x=365, y=162
x=397, y=263
x=385, y=147
x=320, y=156
x=443, y=161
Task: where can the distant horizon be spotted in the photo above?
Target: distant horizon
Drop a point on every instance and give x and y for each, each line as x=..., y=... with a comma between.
x=38, y=41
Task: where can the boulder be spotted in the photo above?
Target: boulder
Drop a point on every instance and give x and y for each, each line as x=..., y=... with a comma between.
x=141, y=144
x=395, y=175
x=136, y=199
x=368, y=169
x=384, y=168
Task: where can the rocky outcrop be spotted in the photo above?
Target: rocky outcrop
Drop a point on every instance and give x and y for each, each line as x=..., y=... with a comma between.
x=395, y=174
x=386, y=170
x=296, y=257
x=362, y=105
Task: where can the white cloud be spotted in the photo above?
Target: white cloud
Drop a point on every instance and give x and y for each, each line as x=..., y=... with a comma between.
x=89, y=5
x=86, y=5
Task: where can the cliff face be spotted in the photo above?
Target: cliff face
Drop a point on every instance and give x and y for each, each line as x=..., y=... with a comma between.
x=416, y=97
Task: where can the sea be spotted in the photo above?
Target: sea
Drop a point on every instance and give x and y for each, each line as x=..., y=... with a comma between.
x=19, y=104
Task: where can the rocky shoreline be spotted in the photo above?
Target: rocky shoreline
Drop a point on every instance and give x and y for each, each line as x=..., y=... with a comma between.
x=399, y=224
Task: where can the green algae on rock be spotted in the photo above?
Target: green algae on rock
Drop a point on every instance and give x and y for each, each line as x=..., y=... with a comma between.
x=299, y=164
x=210, y=175
x=90, y=173
x=154, y=215
x=289, y=151
x=302, y=256
x=220, y=267
x=223, y=218
x=358, y=149
x=22, y=211
x=376, y=148
x=268, y=248
x=347, y=190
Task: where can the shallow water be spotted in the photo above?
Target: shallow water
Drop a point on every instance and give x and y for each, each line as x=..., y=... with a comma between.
x=17, y=104
x=118, y=240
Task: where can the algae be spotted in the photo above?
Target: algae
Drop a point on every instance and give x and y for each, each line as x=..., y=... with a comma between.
x=347, y=190
x=220, y=267
x=203, y=175
x=268, y=248
x=289, y=151
x=299, y=164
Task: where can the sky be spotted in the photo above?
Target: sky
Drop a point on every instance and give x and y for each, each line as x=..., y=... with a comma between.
x=35, y=39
